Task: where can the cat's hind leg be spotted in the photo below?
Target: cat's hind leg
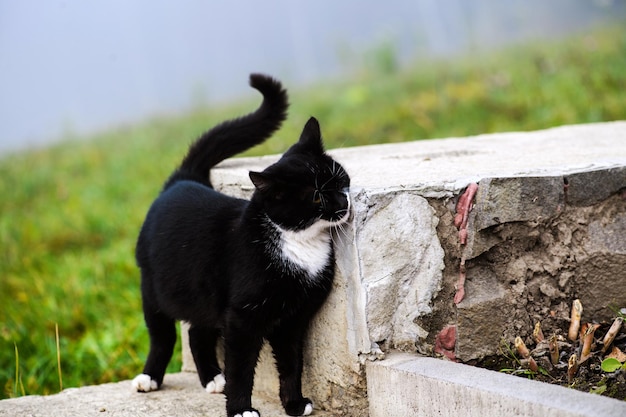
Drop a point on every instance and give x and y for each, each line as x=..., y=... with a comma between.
x=202, y=342
x=162, y=330
x=287, y=344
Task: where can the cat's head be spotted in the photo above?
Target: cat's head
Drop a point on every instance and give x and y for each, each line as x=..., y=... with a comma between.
x=306, y=186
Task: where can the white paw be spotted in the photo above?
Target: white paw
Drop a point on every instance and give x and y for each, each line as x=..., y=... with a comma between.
x=308, y=409
x=248, y=414
x=143, y=383
x=217, y=385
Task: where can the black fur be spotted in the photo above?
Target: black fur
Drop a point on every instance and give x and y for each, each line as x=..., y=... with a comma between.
x=222, y=264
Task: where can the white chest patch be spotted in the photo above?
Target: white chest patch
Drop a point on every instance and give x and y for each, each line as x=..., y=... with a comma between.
x=308, y=249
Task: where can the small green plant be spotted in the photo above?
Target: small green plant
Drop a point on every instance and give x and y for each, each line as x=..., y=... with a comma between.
x=525, y=371
x=599, y=390
x=612, y=365
x=56, y=330
x=521, y=369
x=619, y=312
x=506, y=351
x=18, y=385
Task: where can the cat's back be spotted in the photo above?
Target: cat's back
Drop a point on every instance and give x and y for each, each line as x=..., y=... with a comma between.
x=186, y=211
x=189, y=196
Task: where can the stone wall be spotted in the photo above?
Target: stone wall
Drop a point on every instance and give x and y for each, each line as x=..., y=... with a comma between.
x=533, y=247
x=547, y=225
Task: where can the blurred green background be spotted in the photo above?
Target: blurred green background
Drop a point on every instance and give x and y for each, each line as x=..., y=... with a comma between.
x=70, y=213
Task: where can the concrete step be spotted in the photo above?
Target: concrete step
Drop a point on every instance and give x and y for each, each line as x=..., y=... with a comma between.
x=180, y=396
x=409, y=385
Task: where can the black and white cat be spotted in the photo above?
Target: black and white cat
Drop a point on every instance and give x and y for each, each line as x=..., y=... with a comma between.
x=244, y=271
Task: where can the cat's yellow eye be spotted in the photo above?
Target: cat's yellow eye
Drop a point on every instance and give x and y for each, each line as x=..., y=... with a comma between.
x=317, y=200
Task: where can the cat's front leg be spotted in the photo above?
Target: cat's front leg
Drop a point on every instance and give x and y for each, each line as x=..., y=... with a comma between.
x=240, y=357
x=287, y=345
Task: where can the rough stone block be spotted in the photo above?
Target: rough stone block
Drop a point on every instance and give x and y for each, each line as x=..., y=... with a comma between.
x=482, y=315
x=400, y=262
x=607, y=235
x=505, y=200
x=591, y=187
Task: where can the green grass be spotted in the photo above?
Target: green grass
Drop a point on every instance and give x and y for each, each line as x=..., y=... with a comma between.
x=70, y=214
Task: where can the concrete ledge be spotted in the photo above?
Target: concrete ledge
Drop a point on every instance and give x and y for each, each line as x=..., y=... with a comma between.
x=408, y=385
x=180, y=396
x=441, y=167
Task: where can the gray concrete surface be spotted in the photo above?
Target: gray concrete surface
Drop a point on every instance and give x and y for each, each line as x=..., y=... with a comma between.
x=407, y=385
x=180, y=396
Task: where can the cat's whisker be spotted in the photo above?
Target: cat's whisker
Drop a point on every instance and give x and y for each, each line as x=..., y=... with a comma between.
x=341, y=232
x=339, y=229
x=338, y=240
x=334, y=237
x=342, y=228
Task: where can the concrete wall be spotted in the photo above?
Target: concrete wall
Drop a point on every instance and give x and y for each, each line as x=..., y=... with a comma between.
x=547, y=224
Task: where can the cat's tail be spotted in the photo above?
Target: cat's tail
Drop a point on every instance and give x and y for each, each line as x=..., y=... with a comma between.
x=237, y=135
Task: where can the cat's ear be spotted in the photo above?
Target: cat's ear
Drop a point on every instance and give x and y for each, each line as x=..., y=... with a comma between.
x=311, y=137
x=261, y=181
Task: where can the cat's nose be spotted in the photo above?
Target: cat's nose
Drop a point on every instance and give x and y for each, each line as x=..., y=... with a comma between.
x=346, y=195
x=340, y=206
x=340, y=201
